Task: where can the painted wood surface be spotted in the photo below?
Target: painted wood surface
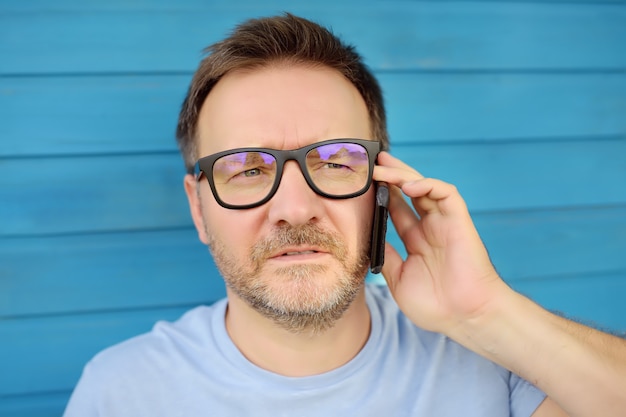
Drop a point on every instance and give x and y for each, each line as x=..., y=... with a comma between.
x=166, y=36
x=144, y=191
x=67, y=115
x=537, y=245
x=521, y=104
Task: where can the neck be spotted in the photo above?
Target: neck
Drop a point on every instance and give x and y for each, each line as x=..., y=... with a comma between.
x=306, y=353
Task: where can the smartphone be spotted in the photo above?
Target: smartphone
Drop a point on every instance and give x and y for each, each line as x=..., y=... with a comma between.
x=379, y=228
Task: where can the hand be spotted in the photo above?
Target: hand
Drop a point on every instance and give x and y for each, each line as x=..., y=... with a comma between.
x=447, y=284
x=447, y=277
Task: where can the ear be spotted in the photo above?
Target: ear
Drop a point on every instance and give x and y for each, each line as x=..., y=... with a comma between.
x=195, y=207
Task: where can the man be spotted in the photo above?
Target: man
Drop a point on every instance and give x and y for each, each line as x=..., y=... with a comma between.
x=280, y=131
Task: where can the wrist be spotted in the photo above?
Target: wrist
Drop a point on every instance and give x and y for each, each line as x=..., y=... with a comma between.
x=489, y=331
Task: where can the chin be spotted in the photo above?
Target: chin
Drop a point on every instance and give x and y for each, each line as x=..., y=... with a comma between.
x=308, y=296
x=301, y=298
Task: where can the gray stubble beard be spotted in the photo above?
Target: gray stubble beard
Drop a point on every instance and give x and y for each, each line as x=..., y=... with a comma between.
x=312, y=309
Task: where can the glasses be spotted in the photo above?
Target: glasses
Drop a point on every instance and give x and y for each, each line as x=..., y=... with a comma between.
x=249, y=177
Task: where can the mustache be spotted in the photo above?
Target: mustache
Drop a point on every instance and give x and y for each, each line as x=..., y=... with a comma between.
x=306, y=234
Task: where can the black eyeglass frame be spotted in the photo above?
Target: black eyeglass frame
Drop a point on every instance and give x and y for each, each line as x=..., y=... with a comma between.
x=205, y=164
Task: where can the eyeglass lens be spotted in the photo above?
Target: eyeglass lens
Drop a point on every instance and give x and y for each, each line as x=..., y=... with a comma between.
x=336, y=169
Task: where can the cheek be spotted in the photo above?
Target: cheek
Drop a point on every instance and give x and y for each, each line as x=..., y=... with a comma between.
x=365, y=228
x=233, y=230
x=357, y=222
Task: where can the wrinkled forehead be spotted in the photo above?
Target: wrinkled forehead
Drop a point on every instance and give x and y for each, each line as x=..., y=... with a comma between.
x=280, y=107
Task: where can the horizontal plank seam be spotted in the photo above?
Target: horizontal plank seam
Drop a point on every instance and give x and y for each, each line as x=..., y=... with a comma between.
x=64, y=392
x=552, y=209
x=512, y=140
x=185, y=306
x=134, y=8
x=504, y=71
x=377, y=70
x=417, y=144
x=96, y=74
x=568, y=276
x=107, y=154
x=567, y=2
x=479, y=213
x=145, y=230
x=96, y=312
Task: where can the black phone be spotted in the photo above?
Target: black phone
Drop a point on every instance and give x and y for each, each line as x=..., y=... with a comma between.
x=379, y=228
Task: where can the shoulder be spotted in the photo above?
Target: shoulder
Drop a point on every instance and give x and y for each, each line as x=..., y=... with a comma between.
x=427, y=352
x=444, y=365
x=417, y=341
x=398, y=335
x=383, y=308
x=155, y=365
x=146, y=353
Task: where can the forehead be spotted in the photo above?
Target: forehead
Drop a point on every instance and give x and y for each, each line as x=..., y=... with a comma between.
x=282, y=107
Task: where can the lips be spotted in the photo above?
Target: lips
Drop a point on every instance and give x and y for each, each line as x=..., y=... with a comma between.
x=305, y=252
x=295, y=251
x=305, y=242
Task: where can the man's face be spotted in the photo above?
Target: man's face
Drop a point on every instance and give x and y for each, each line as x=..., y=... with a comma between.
x=299, y=259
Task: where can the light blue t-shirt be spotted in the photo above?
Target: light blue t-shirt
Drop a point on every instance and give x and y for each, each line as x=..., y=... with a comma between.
x=191, y=368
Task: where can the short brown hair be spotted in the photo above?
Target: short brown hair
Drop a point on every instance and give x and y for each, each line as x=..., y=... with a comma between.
x=260, y=42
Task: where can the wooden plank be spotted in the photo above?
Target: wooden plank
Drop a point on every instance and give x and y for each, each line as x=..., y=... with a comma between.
x=87, y=272
x=106, y=271
x=596, y=301
x=69, y=341
x=34, y=404
x=96, y=37
x=557, y=243
x=139, y=113
x=134, y=192
x=534, y=245
x=160, y=5
x=100, y=193
x=76, y=115
x=500, y=107
x=473, y=86
x=520, y=176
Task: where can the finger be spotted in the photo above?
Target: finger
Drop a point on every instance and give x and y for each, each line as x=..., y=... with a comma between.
x=430, y=195
x=385, y=159
x=421, y=203
x=432, y=188
x=426, y=195
x=393, y=171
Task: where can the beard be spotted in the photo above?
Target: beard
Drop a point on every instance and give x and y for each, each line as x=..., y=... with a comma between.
x=297, y=298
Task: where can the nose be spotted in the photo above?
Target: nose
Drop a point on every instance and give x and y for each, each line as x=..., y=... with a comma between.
x=294, y=202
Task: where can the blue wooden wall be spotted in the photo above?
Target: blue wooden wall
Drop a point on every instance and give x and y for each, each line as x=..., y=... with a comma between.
x=521, y=104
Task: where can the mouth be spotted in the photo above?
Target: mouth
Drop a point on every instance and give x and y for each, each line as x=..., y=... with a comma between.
x=293, y=253
x=304, y=252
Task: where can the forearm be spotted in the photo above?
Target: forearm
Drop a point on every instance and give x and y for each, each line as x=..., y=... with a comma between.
x=580, y=368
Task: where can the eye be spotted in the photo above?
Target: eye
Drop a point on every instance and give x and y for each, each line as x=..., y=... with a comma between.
x=333, y=165
x=251, y=175
x=251, y=172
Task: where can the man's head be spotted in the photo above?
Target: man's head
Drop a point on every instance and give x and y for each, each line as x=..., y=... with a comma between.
x=263, y=42
x=297, y=257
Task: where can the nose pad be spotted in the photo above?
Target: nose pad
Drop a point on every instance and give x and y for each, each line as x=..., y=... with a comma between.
x=294, y=202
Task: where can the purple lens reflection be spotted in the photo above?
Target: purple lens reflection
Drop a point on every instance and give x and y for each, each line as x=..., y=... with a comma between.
x=327, y=152
x=339, y=168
